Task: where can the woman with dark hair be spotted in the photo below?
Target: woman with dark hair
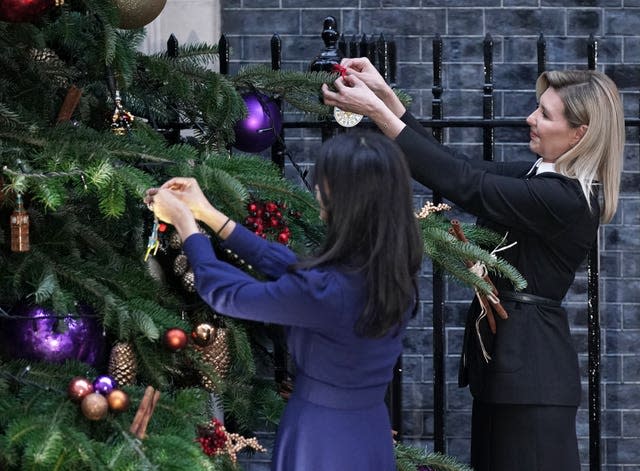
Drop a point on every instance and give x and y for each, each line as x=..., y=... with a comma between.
x=345, y=310
x=523, y=371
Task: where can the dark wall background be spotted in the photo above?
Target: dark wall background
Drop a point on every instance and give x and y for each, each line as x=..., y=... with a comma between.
x=515, y=26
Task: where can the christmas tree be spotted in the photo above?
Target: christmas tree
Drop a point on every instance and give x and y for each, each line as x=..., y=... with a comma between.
x=109, y=358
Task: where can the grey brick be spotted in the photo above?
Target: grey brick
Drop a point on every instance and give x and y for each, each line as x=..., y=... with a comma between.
x=465, y=22
x=408, y=21
x=619, y=451
x=267, y=21
x=621, y=396
x=526, y=21
x=584, y=22
x=417, y=395
x=631, y=316
x=622, y=21
x=582, y=3
x=631, y=368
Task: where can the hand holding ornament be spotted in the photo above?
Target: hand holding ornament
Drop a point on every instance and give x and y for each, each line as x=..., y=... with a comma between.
x=167, y=207
x=189, y=192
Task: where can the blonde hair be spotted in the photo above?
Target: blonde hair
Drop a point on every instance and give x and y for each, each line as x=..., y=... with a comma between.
x=591, y=98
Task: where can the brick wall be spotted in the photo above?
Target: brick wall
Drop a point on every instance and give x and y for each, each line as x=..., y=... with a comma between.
x=515, y=26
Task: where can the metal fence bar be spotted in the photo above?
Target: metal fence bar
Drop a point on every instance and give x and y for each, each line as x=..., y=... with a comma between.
x=224, y=52
x=439, y=378
x=593, y=315
x=488, y=134
x=278, y=148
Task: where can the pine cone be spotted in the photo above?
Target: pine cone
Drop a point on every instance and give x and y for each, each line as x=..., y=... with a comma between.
x=217, y=355
x=188, y=281
x=123, y=366
x=174, y=241
x=180, y=264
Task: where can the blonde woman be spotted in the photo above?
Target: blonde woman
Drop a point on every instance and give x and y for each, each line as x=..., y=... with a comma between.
x=523, y=371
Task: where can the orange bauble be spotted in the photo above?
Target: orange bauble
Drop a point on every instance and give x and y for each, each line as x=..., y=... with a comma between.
x=175, y=339
x=118, y=400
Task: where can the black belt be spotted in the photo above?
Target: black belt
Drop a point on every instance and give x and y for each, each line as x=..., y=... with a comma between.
x=528, y=298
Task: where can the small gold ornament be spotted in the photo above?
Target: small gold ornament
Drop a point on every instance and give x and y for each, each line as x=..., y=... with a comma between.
x=94, y=406
x=203, y=334
x=121, y=119
x=19, y=227
x=135, y=14
x=346, y=119
x=123, y=366
x=118, y=400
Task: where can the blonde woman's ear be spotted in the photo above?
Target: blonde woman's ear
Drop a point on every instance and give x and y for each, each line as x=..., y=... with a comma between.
x=580, y=132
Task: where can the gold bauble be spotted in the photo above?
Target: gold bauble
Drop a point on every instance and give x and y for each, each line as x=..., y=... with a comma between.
x=203, y=334
x=94, y=406
x=118, y=400
x=138, y=13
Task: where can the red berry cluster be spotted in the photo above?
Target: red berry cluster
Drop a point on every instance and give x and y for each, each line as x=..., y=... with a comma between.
x=212, y=437
x=266, y=220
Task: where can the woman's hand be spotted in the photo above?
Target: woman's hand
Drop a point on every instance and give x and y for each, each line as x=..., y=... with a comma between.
x=192, y=200
x=353, y=95
x=188, y=191
x=167, y=207
x=362, y=68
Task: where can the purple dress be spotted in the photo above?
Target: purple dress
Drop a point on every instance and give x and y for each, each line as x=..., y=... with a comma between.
x=336, y=418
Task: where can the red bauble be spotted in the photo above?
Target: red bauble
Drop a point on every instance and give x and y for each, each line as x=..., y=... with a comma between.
x=175, y=339
x=283, y=238
x=19, y=11
x=79, y=387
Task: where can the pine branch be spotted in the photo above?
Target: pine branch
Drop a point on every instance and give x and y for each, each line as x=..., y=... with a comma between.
x=411, y=459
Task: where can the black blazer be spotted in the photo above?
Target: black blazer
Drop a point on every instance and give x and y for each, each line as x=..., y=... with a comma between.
x=533, y=358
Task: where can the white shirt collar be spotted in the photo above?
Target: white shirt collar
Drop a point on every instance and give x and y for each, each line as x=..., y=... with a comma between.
x=545, y=167
x=541, y=167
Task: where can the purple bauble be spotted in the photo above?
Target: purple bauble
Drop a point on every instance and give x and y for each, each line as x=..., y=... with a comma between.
x=260, y=129
x=34, y=333
x=104, y=385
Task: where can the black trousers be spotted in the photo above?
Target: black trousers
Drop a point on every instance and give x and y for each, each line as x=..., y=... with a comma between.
x=507, y=437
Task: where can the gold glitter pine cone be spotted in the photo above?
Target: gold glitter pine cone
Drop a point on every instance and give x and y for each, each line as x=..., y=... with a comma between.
x=217, y=355
x=123, y=365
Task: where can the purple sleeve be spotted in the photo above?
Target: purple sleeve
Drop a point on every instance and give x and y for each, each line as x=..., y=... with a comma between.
x=306, y=298
x=270, y=258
